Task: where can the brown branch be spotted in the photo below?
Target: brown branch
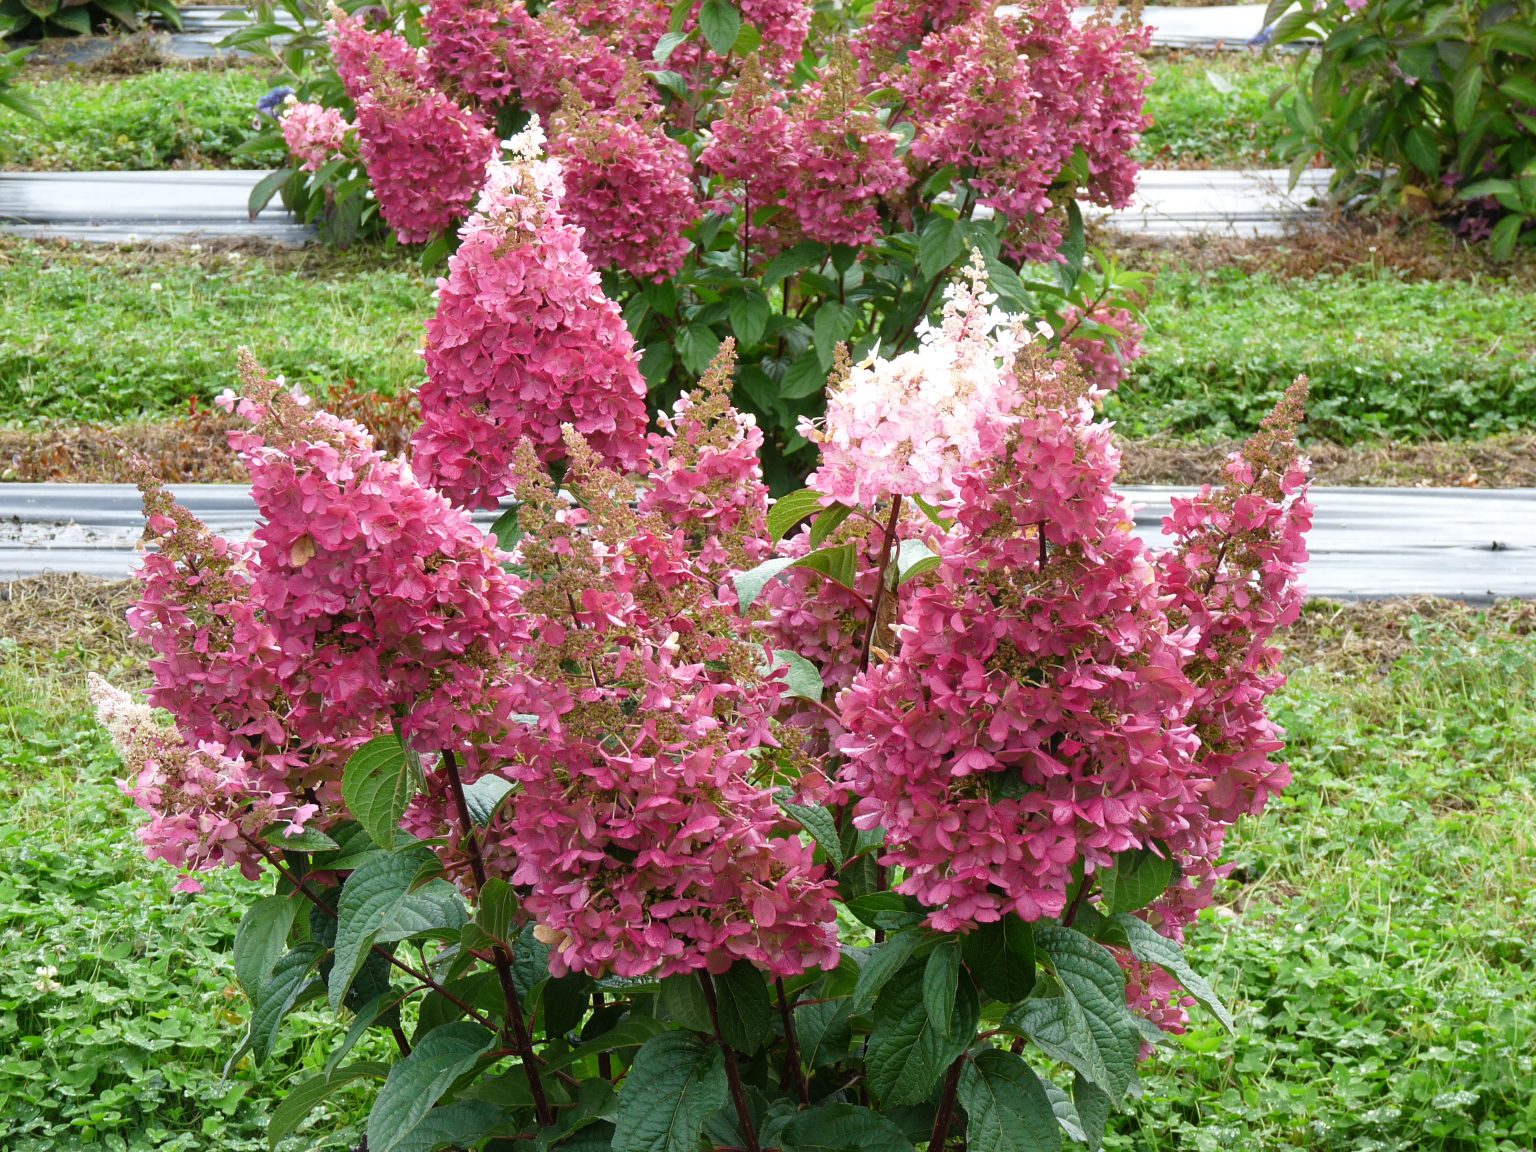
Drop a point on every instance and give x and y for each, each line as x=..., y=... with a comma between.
x=732, y=1073
x=792, y=1043
x=946, y=1114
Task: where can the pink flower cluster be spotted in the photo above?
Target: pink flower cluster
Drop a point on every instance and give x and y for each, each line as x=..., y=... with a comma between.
x=523, y=344
x=628, y=186
x=1009, y=100
x=1106, y=361
x=425, y=155
x=314, y=133
x=646, y=832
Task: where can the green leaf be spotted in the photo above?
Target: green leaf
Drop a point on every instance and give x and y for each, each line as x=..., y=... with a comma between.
x=1099, y=1025
x=827, y=522
x=842, y=1128
x=697, y=345
x=803, y=679
x=887, y=911
x=940, y=245
x=787, y=511
x=1001, y=958
x=418, y=1082
x=261, y=939
x=838, y=564
x=497, y=915
x=306, y=840
x=506, y=529
x=485, y=795
x=301, y=1099
x=796, y=259
x=1150, y=946
x=806, y=377
x=941, y=979
x=1092, y=1106
x=669, y=43
x=746, y=1010
x=378, y=783
x=913, y=559
x=817, y=821
x=676, y=1083
x=352, y=844
x=824, y=1031
x=749, y=313
x=1521, y=88
x=1044, y=1020
x=908, y=1051
x=462, y=1124
x=377, y=906
x=279, y=993
x=266, y=188
x=1467, y=90
x=833, y=324
x=683, y=1002
x=1137, y=878
x=1006, y=1106
x=720, y=22
x=750, y=584
x=881, y=962
x=1505, y=234
x=1276, y=9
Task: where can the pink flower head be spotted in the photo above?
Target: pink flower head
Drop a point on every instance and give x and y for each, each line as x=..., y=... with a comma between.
x=314, y=134
x=1106, y=347
x=523, y=343
x=910, y=425
x=629, y=185
x=425, y=155
x=645, y=829
x=747, y=148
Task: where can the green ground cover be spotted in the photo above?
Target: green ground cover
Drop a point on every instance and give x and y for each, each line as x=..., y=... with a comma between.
x=173, y=118
x=1416, y=360
x=1213, y=110
x=1378, y=946
x=96, y=335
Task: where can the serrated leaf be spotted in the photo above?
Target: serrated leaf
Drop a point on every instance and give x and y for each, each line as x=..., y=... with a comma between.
x=1092, y=1106
x=1099, y=1025
x=377, y=906
x=941, y=979
x=746, y=1009
x=305, y=840
x=818, y=823
x=1501, y=243
x=378, y=783
x=669, y=43
x=697, y=345
x=787, y=511
x=832, y=325
x=1001, y=958
x=300, y=1100
x=1466, y=92
x=1137, y=878
x=720, y=21
x=418, y=1082
x=838, y=564
x=884, y=910
x=280, y=992
x=507, y=530
x=881, y=962
x=749, y=312
x=908, y=1051
x=940, y=245
x=1150, y=946
x=261, y=940
x=497, y=915
x=1006, y=1106
x=913, y=559
x=823, y=1030
x=827, y=521
x=803, y=678
x=750, y=584
x=464, y=1123
x=675, y=1084
x=266, y=188
x=842, y=1128
x=485, y=796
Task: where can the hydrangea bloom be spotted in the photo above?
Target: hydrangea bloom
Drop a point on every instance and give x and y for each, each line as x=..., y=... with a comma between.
x=897, y=24
x=643, y=835
x=425, y=155
x=313, y=133
x=523, y=342
x=1105, y=362
x=908, y=426
x=747, y=148
x=628, y=187
x=845, y=159
x=207, y=809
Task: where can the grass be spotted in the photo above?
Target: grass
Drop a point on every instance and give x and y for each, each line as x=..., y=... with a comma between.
x=174, y=118
x=1388, y=357
x=1380, y=943
x=1375, y=939
x=1213, y=111
x=87, y=334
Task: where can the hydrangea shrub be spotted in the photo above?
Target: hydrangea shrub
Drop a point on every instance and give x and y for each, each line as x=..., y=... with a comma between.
x=786, y=178
x=670, y=816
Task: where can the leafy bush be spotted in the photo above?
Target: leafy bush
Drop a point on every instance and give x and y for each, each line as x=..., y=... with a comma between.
x=10, y=66
x=786, y=177
x=81, y=17
x=860, y=819
x=1422, y=106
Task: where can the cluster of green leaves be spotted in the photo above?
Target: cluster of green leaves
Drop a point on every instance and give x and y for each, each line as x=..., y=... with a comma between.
x=788, y=317
x=1420, y=102
x=172, y=118
x=877, y=1054
x=81, y=17
x=1384, y=937
x=1386, y=357
x=87, y=335
x=116, y=999
x=10, y=67
x=1214, y=111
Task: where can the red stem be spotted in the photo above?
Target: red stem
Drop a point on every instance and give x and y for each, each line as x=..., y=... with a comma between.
x=732, y=1073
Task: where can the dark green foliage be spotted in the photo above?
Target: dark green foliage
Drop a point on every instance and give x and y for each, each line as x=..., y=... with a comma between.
x=81, y=17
